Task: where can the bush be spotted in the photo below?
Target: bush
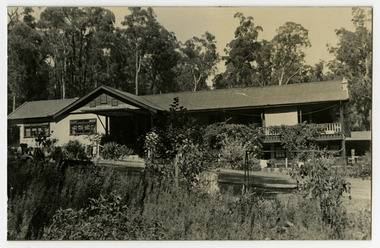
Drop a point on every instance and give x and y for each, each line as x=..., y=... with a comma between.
x=231, y=141
x=74, y=150
x=233, y=154
x=319, y=181
x=219, y=134
x=114, y=151
x=363, y=168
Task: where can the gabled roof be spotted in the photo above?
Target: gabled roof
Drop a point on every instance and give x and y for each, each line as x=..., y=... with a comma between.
x=40, y=109
x=251, y=97
x=292, y=94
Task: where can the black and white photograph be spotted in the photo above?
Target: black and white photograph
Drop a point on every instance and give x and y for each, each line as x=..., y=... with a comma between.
x=189, y=123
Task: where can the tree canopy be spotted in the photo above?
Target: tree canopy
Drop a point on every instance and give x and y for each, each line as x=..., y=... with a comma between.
x=67, y=51
x=353, y=61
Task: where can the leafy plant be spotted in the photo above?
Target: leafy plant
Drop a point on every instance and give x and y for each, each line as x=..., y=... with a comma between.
x=74, y=150
x=233, y=154
x=319, y=181
x=115, y=151
x=298, y=139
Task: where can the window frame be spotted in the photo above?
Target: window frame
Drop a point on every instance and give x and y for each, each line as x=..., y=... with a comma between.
x=39, y=127
x=82, y=124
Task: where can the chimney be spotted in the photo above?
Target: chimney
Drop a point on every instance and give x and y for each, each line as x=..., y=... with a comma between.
x=344, y=84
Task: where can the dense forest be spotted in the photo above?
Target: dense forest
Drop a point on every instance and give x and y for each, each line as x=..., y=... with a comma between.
x=67, y=51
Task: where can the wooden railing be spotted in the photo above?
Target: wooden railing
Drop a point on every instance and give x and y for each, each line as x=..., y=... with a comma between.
x=329, y=128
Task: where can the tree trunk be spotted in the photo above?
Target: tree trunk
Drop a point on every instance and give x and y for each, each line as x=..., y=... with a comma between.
x=64, y=77
x=138, y=67
x=281, y=76
x=14, y=102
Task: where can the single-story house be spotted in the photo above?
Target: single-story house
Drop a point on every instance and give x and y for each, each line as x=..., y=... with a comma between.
x=127, y=117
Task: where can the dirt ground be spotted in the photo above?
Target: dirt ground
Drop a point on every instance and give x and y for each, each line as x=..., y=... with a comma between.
x=361, y=194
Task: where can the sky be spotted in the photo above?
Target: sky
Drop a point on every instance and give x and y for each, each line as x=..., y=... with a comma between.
x=187, y=22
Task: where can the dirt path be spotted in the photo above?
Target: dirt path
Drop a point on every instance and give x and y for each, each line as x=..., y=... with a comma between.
x=279, y=182
x=360, y=195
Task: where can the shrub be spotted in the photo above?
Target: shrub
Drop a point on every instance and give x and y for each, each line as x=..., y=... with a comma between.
x=217, y=135
x=319, y=181
x=106, y=218
x=298, y=138
x=191, y=163
x=363, y=168
x=233, y=154
x=230, y=142
x=114, y=151
x=74, y=150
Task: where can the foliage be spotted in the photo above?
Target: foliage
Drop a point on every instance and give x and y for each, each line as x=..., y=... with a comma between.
x=130, y=206
x=75, y=40
x=175, y=128
x=287, y=55
x=115, y=151
x=27, y=67
x=353, y=61
x=105, y=218
x=231, y=141
x=43, y=140
x=151, y=141
x=36, y=189
x=218, y=134
x=298, y=139
x=176, y=139
x=362, y=168
x=240, y=55
x=191, y=163
x=74, y=150
x=233, y=154
x=181, y=215
x=199, y=59
x=151, y=51
x=319, y=181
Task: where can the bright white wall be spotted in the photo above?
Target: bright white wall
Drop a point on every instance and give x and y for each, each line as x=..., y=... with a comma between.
x=61, y=130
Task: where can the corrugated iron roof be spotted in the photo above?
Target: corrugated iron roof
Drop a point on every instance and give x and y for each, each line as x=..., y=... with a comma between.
x=202, y=100
x=254, y=96
x=39, y=109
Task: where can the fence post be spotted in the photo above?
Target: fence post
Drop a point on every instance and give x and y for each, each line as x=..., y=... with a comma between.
x=286, y=162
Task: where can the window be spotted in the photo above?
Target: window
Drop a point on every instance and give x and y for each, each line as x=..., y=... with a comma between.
x=78, y=127
x=280, y=152
x=33, y=130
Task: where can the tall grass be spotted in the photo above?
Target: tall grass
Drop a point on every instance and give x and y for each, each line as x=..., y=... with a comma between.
x=72, y=201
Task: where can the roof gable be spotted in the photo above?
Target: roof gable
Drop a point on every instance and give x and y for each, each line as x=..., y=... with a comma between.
x=126, y=98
